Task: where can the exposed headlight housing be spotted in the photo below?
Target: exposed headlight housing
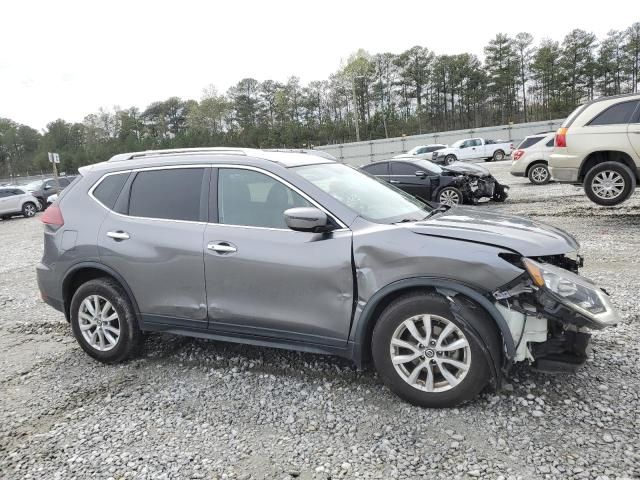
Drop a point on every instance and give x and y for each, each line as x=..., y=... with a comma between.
x=575, y=292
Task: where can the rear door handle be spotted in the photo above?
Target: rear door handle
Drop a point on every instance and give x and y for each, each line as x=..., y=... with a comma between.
x=222, y=247
x=119, y=235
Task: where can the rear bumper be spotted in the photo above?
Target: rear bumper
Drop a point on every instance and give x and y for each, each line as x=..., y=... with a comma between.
x=565, y=167
x=564, y=175
x=518, y=168
x=49, y=286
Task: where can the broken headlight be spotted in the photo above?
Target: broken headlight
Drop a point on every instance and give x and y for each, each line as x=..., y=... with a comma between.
x=573, y=291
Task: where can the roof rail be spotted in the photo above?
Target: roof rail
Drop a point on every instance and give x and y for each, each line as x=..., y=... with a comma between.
x=178, y=151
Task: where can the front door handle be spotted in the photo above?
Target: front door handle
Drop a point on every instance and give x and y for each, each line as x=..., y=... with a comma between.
x=222, y=247
x=119, y=235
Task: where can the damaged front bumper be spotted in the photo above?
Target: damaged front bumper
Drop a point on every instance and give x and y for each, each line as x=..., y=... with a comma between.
x=550, y=311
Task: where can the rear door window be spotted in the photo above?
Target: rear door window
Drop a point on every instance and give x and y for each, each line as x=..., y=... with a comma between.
x=617, y=114
x=381, y=168
x=172, y=194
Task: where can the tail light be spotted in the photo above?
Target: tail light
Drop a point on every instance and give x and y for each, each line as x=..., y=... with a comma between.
x=561, y=137
x=53, y=216
x=518, y=154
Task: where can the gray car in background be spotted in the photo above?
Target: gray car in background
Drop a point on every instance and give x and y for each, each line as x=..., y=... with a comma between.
x=292, y=250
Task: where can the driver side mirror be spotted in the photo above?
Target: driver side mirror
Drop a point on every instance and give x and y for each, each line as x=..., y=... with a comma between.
x=307, y=219
x=48, y=187
x=421, y=174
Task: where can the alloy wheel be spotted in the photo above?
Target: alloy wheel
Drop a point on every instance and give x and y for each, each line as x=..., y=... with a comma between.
x=539, y=174
x=449, y=197
x=608, y=185
x=430, y=353
x=99, y=323
x=29, y=210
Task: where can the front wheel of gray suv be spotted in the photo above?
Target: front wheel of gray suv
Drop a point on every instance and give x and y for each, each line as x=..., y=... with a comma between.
x=104, y=321
x=428, y=356
x=609, y=183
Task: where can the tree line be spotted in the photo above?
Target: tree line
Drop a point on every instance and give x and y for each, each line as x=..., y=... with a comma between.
x=370, y=96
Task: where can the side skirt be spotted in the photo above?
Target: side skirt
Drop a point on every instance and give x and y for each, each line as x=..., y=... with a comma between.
x=345, y=352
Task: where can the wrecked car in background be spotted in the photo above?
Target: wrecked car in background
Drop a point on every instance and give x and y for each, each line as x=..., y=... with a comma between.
x=453, y=184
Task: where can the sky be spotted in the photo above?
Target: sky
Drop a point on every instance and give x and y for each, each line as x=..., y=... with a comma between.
x=66, y=59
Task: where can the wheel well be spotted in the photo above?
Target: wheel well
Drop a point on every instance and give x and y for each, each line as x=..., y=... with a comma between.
x=377, y=311
x=391, y=297
x=535, y=162
x=76, y=279
x=606, y=156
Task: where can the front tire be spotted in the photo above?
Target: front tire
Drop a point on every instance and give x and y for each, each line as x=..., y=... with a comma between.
x=104, y=322
x=498, y=156
x=427, y=356
x=609, y=183
x=450, y=196
x=449, y=159
x=539, y=174
x=29, y=209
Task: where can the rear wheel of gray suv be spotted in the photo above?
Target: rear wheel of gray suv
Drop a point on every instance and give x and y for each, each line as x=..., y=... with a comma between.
x=609, y=183
x=426, y=355
x=104, y=321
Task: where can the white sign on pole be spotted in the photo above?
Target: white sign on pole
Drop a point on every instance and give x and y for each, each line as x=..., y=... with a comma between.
x=54, y=157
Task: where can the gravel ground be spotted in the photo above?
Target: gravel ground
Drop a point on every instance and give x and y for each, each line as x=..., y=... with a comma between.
x=203, y=409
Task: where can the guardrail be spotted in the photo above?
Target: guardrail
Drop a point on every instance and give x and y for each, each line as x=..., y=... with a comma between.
x=360, y=153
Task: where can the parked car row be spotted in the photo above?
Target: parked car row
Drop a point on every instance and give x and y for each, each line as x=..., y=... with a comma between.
x=45, y=188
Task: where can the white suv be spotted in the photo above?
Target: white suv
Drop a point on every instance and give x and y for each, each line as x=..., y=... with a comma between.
x=531, y=158
x=598, y=146
x=16, y=201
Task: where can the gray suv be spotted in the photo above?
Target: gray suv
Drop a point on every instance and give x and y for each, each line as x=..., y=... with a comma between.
x=292, y=250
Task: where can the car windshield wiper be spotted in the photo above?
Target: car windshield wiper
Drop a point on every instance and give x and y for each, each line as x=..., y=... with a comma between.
x=440, y=209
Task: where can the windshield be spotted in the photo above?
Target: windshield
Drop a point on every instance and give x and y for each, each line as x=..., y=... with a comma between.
x=414, y=150
x=457, y=144
x=34, y=185
x=371, y=198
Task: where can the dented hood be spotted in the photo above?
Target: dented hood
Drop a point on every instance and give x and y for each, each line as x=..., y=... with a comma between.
x=528, y=238
x=467, y=168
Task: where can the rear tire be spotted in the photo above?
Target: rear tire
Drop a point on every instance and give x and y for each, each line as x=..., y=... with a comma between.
x=539, y=174
x=609, y=183
x=411, y=334
x=29, y=209
x=498, y=156
x=110, y=332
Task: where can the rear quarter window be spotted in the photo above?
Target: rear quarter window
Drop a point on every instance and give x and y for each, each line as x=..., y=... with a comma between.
x=617, y=114
x=528, y=142
x=109, y=188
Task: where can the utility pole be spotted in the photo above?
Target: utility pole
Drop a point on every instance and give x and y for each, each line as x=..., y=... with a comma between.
x=355, y=108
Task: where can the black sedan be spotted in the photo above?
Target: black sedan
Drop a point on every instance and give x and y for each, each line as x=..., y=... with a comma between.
x=451, y=185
